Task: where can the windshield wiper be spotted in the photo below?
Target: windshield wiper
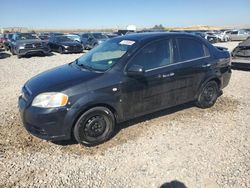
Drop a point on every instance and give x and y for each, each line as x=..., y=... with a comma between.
x=84, y=66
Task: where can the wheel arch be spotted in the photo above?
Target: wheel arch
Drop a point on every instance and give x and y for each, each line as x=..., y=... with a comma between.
x=216, y=79
x=86, y=108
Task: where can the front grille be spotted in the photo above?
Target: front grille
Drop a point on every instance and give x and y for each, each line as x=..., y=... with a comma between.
x=38, y=45
x=74, y=48
x=35, y=45
x=28, y=45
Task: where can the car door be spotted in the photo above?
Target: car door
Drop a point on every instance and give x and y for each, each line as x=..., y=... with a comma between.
x=152, y=91
x=191, y=64
x=234, y=35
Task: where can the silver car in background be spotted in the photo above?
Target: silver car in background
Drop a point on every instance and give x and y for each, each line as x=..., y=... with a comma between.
x=239, y=34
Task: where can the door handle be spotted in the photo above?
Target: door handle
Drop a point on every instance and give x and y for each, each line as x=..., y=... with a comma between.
x=206, y=65
x=168, y=75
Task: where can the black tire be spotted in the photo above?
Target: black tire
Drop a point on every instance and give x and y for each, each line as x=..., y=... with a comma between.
x=208, y=95
x=60, y=50
x=12, y=51
x=94, y=126
x=6, y=48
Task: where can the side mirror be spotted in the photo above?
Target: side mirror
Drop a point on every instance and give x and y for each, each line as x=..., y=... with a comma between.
x=136, y=71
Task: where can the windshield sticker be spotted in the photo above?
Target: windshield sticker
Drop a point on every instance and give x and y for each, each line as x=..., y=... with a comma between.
x=127, y=42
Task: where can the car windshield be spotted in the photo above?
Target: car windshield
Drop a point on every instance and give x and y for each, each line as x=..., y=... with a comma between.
x=26, y=36
x=73, y=37
x=99, y=36
x=105, y=55
x=63, y=39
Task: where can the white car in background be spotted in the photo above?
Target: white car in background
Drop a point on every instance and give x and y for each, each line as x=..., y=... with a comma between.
x=223, y=36
x=239, y=34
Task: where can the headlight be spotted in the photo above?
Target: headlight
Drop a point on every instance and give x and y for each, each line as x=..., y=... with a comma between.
x=21, y=47
x=66, y=46
x=50, y=100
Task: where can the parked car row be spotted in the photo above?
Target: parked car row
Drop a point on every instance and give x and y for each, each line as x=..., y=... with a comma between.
x=220, y=35
x=21, y=44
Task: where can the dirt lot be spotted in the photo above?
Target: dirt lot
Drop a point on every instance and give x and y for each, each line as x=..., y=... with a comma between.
x=199, y=148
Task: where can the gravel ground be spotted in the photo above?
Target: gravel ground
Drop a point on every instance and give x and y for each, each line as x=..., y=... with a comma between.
x=199, y=148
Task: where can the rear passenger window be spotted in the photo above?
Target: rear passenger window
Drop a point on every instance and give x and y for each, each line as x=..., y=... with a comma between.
x=154, y=55
x=191, y=49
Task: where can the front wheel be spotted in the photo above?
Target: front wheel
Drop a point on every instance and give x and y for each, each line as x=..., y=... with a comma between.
x=208, y=95
x=60, y=50
x=95, y=126
x=12, y=51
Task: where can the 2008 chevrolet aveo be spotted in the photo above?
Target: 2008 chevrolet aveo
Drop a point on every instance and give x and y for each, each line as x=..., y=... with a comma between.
x=122, y=78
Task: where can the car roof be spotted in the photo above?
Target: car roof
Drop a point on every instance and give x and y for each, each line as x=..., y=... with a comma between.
x=153, y=35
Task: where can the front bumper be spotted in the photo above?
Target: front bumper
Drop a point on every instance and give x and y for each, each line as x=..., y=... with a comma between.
x=26, y=51
x=49, y=124
x=72, y=50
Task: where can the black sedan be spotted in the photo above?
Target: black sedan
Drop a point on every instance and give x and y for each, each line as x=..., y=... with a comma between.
x=121, y=79
x=63, y=44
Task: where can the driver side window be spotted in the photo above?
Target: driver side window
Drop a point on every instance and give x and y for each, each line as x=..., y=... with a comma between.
x=154, y=55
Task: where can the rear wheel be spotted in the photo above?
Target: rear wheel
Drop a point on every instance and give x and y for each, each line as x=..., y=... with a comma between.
x=208, y=95
x=95, y=126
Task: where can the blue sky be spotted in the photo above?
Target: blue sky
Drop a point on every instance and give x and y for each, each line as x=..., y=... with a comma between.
x=120, y=13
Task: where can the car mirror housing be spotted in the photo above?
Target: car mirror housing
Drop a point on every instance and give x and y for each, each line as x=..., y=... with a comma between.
x=136, y=71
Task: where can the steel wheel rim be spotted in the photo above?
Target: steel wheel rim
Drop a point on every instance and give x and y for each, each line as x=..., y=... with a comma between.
x=95, y=126
x=209, y=93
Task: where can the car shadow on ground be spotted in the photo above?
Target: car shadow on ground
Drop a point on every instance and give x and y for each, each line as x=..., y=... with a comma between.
x=4, y=55
x=135, y=121
x=173, y=184
x=38, y=55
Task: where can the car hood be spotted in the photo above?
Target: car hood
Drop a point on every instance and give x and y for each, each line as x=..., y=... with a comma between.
x=59, y=79
x=70, y=43
x=29, y=41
